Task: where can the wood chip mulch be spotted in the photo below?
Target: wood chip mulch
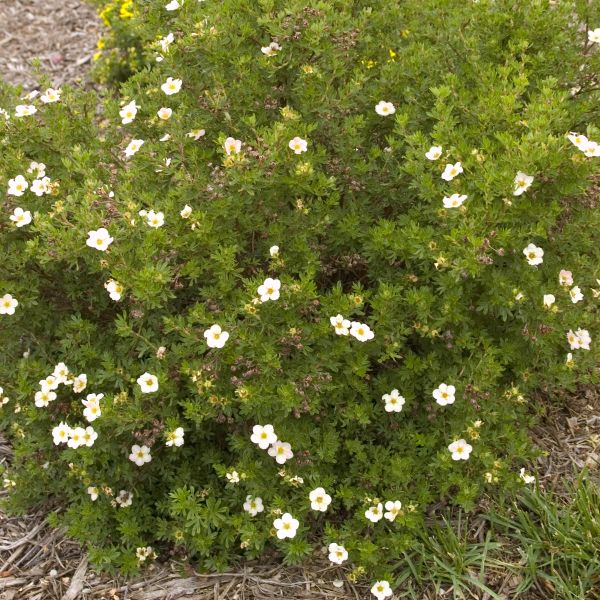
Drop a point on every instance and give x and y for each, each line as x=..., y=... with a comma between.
x=62, y=34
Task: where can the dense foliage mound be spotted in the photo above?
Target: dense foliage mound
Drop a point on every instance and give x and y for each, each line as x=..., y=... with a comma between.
x=293, y=285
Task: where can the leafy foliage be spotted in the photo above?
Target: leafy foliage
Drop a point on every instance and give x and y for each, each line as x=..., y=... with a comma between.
x=362, y=232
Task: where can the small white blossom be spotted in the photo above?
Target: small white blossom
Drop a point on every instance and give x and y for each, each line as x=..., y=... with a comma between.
x=381, y=590
x=263, y=436
x=38, y=168
x=50, y=95
x=522, y=183
x=337, y=554
x=114, y=289
x=454, y=201
x=341, y=325
x=186, y=211
x=93, y=492
x=253, y=505
x=25, y=110
x=92, y=407
x=393, y=401
x=594, y=35
x=434, y=153
x=274, y=251
x=384, y=108
x=233, y=477
x=298, y=145
x=444, y=394
x=99, y=239
x=17, y=186
x=171, y=86
x=140, y=455
x=196, y=134
x=76, y=438
x=128, y=112
x=549, y=300
x=44, y=397
x=89, y=437
x=534, y=255
x=174, y=5
x=392, y=508
x=124, y=499
x=41, y=186
x=148, y=383
x=361, y=332
x=8, y=305
x=576, y=294
x=452, y=171
x=319, y=499
x=565, y=278
x=281, y=452
x=286, y=526
x=164, y=113
x=215, y=337
x=232, y=146
x=20, y=217
x=175, y=438
x=460, y=450
x=591, y=149
x=269, y=290
x=133, y=147
x=578, y=140
x=526, y=478
x=80, y=383
x=271, y=50
x=155, y=219
x=374, y=513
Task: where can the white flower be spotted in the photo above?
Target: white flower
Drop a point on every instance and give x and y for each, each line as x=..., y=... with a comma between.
x=89, y=437
x=253, y=505
x=577, y=139
x=215, y=337
x=263, y=436
x=393, y=509
x=281, y=451
x=80, y=383
x=17, y=186
x=20, y=217
x=454, y=201
x=114, y=289
x=233, y=477
x=196, y=134
x=61, y=433
x=140, y=455
x=451, y=171
x=76, y=437
x=41, y=186
x=584, y=338
x=93, y=492
x=99, y=239
x=274, y=250
x=534, y=255
x=434, y=152
x=460, y=450
x=61, y=372
x=8, y=305
x=374, y=513
x=319, y=499
x=269, y=290
x=298, y=145
x=569, y=361
x=49, y=383
x=549, y=300
x=271, y=49
x=148, y=383
x=186, y=211
x=133, y=147
x=526, y=478
x=591, y=149
x=232, y=146
x=573, y=340
x=384, y=108
x=124, y=499
x=594, y=35
x=565, y=278
x=337, y=554
x=5, y=114
x=165, y=138
x=39, y=168
x=166, y=41
x=576, y=295
x=44, y=397
x=92, y=407
x=393, y=401
x=522, y=183
x=361, y=332
x=173, y=5
x=155, y=219
x=171, y=86
x=25, y=110
x=286, y=526
x=144, y=552
x=444, y=394
x=50, y=95
x=164, y=113
x=175, y=438
x=381, y=590
x=341, y=325
x=128, y=112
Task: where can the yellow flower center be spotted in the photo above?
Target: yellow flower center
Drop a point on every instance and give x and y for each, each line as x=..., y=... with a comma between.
x=360, y=331
x=149, y=381
x=531, y=255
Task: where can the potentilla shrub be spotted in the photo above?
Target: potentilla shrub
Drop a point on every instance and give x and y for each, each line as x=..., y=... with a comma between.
x=294, y=285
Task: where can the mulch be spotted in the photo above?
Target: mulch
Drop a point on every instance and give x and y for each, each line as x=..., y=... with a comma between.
x=62, y=34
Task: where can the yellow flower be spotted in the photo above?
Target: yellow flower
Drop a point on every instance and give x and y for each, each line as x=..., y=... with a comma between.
x=126, y=11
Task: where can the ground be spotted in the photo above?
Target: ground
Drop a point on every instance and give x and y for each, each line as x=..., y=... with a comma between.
x=38, y=563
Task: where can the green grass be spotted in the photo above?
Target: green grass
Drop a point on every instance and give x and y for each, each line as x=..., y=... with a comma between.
x=547, y=544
